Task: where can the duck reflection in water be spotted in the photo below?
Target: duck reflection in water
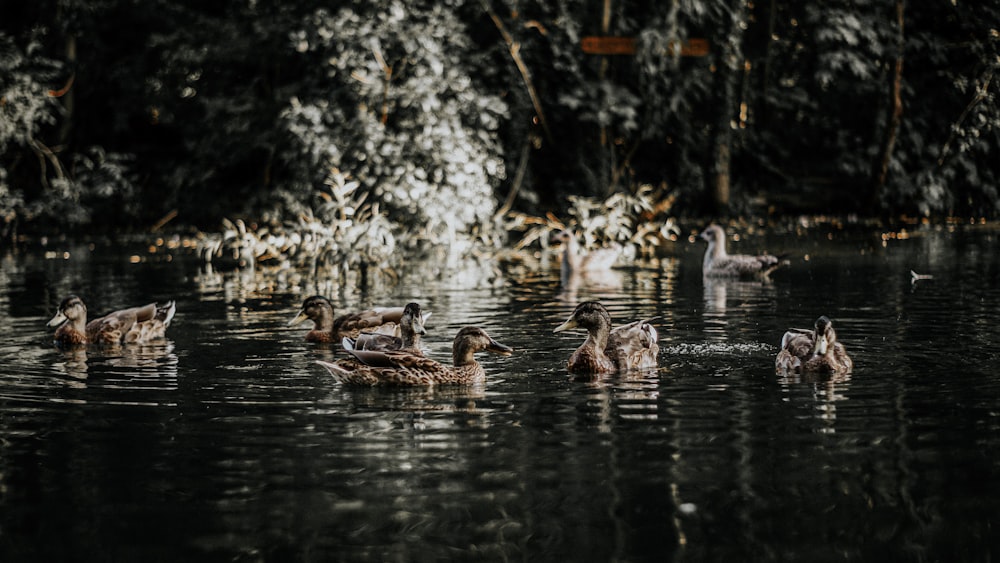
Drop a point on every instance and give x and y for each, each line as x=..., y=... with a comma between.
x=722, y=293
x=155, y=360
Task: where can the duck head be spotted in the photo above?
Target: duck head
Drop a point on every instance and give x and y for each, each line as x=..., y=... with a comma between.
x=71, y=309
x=826, y=337
x=413, y=319
x=314, y=308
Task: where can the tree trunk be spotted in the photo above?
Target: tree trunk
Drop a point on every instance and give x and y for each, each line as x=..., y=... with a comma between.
x=895, y=114
x=69, y=99
x=68, y=96
x=730, y=50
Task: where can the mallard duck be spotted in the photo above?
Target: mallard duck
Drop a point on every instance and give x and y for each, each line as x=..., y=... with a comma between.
x=330, y=329
x=719, y=263
x=411, y=327
x=631, y=346
x=577, y=263
x=135, y=325
x=813, y=351
x=401, y=368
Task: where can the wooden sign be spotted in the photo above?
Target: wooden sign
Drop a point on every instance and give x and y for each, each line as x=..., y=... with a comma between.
x=601, y=45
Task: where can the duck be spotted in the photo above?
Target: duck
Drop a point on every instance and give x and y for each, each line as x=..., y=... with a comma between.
x=813, y=351
x=577, y=263
x=410, y=326
x=606, y=350
x=330, y=329
x=136, y=325
x=405, y=369
x=721, y=264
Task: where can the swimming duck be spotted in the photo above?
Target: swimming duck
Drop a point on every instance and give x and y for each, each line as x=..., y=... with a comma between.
x=330, y=329
x=575, y=263
x=401, y=368
x=411, y=327
x=719, y=263
x=631, y=346
x=135, y=325
x=813, y=351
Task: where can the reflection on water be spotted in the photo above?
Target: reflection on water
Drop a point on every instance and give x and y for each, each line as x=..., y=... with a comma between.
x=727, y=299
x=224, y=441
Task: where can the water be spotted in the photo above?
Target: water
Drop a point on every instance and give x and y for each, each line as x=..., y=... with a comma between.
x=226, y=442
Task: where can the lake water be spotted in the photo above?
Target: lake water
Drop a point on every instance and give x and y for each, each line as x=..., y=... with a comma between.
x=225, y=442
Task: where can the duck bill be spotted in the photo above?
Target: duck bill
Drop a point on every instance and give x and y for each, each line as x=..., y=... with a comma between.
x=57, y=320
x=298, y=318
x=418, y=326
x=499, y=349
x=569, y=324
x=821, y=346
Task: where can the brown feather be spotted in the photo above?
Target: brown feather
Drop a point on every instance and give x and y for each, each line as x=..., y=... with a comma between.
x=631, y=346
x=799, y=352
x=401, y=368
x=330, y=329
x=126, y=326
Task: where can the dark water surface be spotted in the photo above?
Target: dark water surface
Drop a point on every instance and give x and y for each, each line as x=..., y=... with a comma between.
x=225, y=442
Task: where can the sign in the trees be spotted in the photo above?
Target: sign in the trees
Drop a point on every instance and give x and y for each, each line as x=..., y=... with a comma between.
x=604, y=45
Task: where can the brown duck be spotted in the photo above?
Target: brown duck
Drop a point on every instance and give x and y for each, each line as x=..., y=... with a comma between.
x=330, y=329
x=719, y=263
x=411, y=328
x=401, y=368
x=631, y=346
x=135, y=325
x=813, y=351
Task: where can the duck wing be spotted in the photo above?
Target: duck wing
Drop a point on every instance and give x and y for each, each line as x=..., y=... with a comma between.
x=395, y=359
x=599, y=259
x=151, y=322
x=112, y=328
x=745, y=265
x=371, y=320
x=634, y=345
x=373, y=341
x=798, y=342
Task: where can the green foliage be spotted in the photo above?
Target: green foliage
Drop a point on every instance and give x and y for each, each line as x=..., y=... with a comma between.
x=341, y=233
x=72, y=187
x=25, y=109
x=396, y=106
x=241, y=109
x=25, y=106
x=636, y=221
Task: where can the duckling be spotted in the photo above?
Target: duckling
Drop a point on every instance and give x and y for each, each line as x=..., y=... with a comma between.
x=719, y=263
x=330, y=329
x=401, y=368
x=411, y=328
x=813, y=351
x=135, y=325
x=631, y=346
x=577, y=263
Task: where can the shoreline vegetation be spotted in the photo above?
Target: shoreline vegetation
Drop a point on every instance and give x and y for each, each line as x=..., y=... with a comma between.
x=346, y=135
x=321, y=257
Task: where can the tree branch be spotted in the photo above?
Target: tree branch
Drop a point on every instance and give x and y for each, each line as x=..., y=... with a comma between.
x=515, y=50
x=981, y=91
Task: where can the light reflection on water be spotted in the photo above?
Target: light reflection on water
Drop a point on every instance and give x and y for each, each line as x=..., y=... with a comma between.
x=225, y=441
